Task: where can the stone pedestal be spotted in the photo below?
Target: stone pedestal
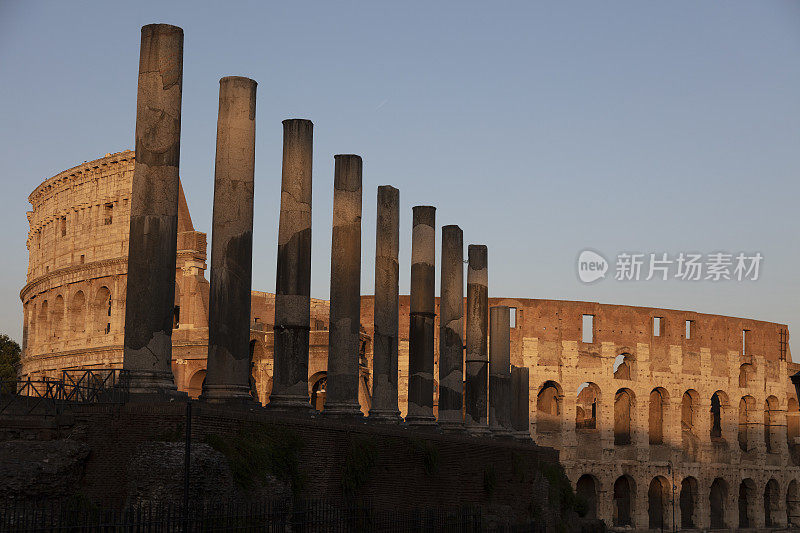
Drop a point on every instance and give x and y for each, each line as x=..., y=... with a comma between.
x=293, y=283
x=423, y=313
x=345, y=303
x=476, y=359
x=451, y=330
x=150, y=295
x=500, y=371
x=520, y=402
x=228, y=370
x=386, y=310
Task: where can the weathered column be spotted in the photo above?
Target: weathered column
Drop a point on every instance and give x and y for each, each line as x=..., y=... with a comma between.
x=386, y=310
x=293, y=283
x=150, y=295
x=520, y=402
x=228, y=370
x=345, y=303
x=500, y=371
x=423, y=312
x=451, y=330
x=476, y=359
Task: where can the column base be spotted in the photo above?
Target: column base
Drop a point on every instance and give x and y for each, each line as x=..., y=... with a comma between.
x=478, y=431
x=289, y=403
x=421, y=421
x=501, y=431
x=232, y=394
x=451, y=427
x=385, y=415
x=150, y=385
x=342, y=410
x=522, y=436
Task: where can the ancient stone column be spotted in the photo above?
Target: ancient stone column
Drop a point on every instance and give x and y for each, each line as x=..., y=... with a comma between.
x=228, y=370
x=476, y=359
x=345, y=302
x=520, y=402
x=500, y=371
x=451, y=330
x=293, y=283
x=150, y=295
x=423, y=312
x=386, y=310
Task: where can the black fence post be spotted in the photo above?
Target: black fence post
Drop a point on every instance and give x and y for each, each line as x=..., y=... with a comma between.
x=186, y=464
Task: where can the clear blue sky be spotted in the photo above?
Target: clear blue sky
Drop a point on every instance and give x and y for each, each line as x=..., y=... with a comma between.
x=540, y=128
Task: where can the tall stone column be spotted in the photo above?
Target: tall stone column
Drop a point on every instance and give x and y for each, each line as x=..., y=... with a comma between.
x=153, y=243
x=228, y=370
x=500, y=371
x=520, y=402
x=293, y=283
x=476, y=359
x=386, y=310
x=345, y=303
x=423, y=313
x=451, y=330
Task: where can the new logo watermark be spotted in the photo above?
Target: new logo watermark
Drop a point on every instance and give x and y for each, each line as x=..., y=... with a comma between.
x=684, y=266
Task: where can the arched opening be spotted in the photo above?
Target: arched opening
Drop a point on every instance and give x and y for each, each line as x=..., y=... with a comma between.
x=745, y=375
x=793, y=504
x=586, y=488
x=548, y=408
x=623, y=501
x=772, y=495
x=43, y=326
x=687, y=410
x=747, y=498
x=658, y=404
x=622, y=366
x=77, y=313
x=195, y=387
x=793, y=430
x=746, y=408
x=718, y=496
x=771, y=424
x=587, y=405
x=58, y=317
x=318, y=392
x=688, y=502
x=623, y=410
x=689, y=441
x=101, y=311
x=719, y=402
x=657, y=498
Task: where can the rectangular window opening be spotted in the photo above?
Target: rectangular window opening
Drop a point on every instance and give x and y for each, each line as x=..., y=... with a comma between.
x=587, y=331
x=63, y=226
x=83, y=258
x=745, y=341
x=513, y=319
x=108, y=214
x=657, y=326
x=688, y=329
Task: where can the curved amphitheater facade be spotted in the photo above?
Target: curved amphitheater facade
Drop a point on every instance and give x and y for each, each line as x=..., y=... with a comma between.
x=656, y=413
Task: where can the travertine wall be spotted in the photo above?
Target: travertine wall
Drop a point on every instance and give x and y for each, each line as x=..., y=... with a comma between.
x=654, y=420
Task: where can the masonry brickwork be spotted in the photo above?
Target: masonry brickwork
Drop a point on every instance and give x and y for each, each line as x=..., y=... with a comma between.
x=636, y=400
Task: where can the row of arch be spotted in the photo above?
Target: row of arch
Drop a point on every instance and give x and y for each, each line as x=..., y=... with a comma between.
x=589, y=402
x=58, y=319
x=688, y=504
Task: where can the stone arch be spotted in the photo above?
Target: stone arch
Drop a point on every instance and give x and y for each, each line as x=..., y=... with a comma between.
x=176, y=306
x=57, y=317
x=793, y=504
x=657, y=498
x=688, y=502
x=746, y=413
x=101, y=310
x=659, y=400
x=586, y=489
x=549, y=407
x=746, y=373
x=622, y=366
x=195, y=385
x=588, y=406
x=624, y=403
x=793, y=429
x=719, y=406
x=319, y=384
x=772, y=495
x=624, y=491
x=77, y=313
x=690, y=402
x=747, y=503
x=43, y=326
x=718, y=498
x=771, y=424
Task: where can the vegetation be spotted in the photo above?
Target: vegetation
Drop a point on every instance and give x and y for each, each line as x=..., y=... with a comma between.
x=362, y=453
x=261, y=449
x=428, y=452
x=9, y=361
x=561, y=496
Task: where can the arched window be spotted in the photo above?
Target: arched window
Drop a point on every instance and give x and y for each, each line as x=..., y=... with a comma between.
x=793, y=504
x=745, y=375
x=101, y=311
x=195, y=386
x=657, y=497
x=658, y=403
x=772, y=495
x=586, y=489
x=58, y=317
x=77, y=313
x=43, y=326
x=793, y=430
x=719, y=402
x=623, y=501
x=687, y=410
x=318, y=392
x=623, y=410
x=548, y=408
x=747, y=499
x=622, y=366
x=586, y=410
x=688, y=502
x=771, y=424
x=718, y=498
x=746, y=412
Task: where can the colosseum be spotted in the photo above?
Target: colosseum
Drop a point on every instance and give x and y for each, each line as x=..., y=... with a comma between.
x=663, y=419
